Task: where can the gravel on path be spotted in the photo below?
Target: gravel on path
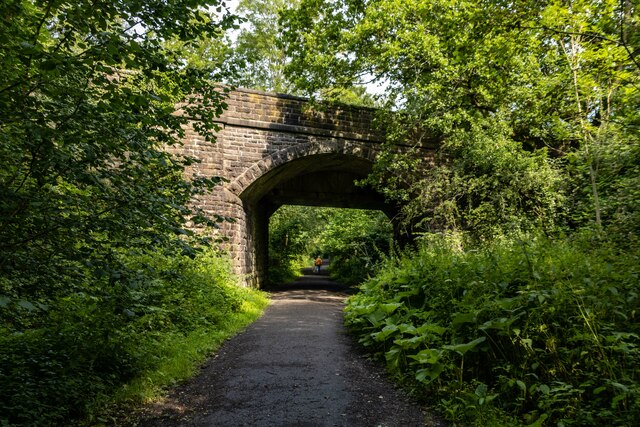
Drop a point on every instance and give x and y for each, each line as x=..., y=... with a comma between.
x=295, y=366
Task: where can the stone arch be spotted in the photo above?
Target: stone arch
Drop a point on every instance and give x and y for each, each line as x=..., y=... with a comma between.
x=304, y=150
x=314, y=175
x=269, y=148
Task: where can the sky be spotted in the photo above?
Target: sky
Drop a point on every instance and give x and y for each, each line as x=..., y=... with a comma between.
x=231, y=4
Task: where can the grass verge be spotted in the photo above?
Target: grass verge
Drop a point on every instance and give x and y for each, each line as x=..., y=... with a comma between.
x=180, y=356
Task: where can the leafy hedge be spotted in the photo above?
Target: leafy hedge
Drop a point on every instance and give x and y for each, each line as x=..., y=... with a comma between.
x=66, y=357
x=517, y=332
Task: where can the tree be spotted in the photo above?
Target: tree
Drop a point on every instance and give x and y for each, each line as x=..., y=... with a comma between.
x=94, y=102
x=258, y=58
x=89, y=98
x=355, y=240
x=260, y=61
x=291, y=231
x=482, y=81
x=594, y=46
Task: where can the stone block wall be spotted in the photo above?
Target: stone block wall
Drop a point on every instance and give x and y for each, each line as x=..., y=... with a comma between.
x=259, y=133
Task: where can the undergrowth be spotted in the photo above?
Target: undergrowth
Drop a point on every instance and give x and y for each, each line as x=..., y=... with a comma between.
x=80, y=356
x=180, y=357
x=285, y=270
x=522, y=331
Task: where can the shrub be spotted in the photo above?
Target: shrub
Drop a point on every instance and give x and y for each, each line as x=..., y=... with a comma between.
x=66, y=357
x=532, y=328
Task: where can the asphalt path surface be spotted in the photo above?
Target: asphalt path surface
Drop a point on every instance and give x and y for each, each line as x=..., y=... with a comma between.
x=295, y=366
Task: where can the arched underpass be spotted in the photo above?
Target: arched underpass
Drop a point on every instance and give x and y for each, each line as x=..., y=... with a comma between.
x=275, y=149
x=324, y=180
x=296, y=365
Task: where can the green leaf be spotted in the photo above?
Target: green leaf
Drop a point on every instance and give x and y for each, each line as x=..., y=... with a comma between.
x=406, y=328
x=385, y=332
x=393, y=357
x=431, y=328
x=481, y=390
x=463, y=318
x=427, y=356
x=389, y=308
x=599, y=390
x=543, y=388
x=428, y=375
x=464, y=348
x=4, y=301
x=501, y=324
x=27, y=305
x=376, y=318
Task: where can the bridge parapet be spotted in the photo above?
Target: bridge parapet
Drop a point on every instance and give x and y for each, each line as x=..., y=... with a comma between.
x=286, y=113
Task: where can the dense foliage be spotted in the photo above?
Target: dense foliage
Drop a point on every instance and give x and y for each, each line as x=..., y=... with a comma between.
x=96, y=229
x=291, y=229
x=93, y=342
x=355, y=241
x=498, y=87
x=260, y=62
x=539, y=329
x=89, y=96
x=256, y=58
x=532, y=110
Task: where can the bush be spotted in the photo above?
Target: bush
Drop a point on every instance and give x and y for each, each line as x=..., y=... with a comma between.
x=290, y=229
x=529, y=328
x=356, y=240
x=79, y=349
x=284, y=269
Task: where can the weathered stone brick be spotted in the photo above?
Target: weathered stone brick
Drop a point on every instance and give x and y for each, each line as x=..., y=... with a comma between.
x=260, y=133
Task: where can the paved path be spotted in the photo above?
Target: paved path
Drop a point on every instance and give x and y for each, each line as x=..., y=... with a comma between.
x=295, y=366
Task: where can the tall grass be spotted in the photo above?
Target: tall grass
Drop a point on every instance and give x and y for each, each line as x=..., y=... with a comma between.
x=180, y=357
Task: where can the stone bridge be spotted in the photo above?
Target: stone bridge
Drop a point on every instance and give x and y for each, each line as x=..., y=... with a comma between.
x=277, y=149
